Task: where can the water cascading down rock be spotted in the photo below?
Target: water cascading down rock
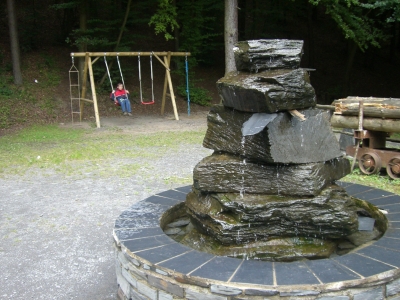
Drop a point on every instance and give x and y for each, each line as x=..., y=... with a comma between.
x=268, y=189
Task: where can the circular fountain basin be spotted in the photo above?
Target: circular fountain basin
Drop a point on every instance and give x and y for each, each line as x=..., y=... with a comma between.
x=151, y=265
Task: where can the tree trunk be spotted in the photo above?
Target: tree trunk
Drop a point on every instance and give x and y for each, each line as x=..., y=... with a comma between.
x=375, y=124
x=128, y=9
x=14, y=43
x=230, y=34
x=372, y=107
x=83, y=28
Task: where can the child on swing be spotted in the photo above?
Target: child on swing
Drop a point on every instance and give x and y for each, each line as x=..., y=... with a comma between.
x=120, y=96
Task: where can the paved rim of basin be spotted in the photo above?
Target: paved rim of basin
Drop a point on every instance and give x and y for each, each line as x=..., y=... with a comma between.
x=138, y=232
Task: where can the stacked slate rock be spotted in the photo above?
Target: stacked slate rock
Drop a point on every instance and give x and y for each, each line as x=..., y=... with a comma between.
x=272, y=172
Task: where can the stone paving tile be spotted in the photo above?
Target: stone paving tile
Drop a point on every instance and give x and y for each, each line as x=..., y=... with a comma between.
x=388, y=256
x=147, y=243
x=219, y=268
x=391, y=208
x=162, y=201
x=187, y=262
x=173, y=195
x=357, y=189
x=150, y=221
x=393, y=217
x=329, y=271
x=390, y=243
x=130, y=234
x=293, y=273
x=362, y=265
x=255, y=272
x=184, y=189
x=156, y=255
x=383, y=201
x=393, y=232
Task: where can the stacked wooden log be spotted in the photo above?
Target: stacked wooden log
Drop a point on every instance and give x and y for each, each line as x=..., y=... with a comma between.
x=380, y=114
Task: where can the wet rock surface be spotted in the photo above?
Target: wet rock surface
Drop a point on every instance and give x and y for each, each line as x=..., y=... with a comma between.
x=225, y=173
x=257, y=55
x=236, y=219
x=285, y=139
x=271, y=177
x=267, y=91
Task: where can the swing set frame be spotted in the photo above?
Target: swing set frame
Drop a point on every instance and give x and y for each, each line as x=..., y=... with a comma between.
x=163, y=57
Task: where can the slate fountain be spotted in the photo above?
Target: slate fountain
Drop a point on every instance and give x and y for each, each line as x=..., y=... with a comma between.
x=268, y=191
x=266, y=215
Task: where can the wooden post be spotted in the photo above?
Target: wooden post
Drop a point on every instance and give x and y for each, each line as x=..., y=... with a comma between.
x=167, y=60
x=84, y=80
x=92, y=85
x=360, y=133
x=164, y=95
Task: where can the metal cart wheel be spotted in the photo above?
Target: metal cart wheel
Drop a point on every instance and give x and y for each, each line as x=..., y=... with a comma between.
x=370, y=163
x=393, y=167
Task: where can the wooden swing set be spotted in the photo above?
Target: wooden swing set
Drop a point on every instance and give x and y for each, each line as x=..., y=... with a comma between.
x=78, y=95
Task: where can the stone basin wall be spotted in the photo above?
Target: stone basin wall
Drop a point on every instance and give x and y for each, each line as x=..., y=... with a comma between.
x=145, y=256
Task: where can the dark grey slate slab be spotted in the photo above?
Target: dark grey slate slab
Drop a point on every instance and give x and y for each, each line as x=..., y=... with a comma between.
x=173, y=195
x=210, y=174
x=257, y=123
x=157, y=255
x=150, y=220
x=383, y=201
x=168, y=202
x=187, y=262
x=386, y=242
x=362, y=265
x=357, y=189
x=256, y=55
x=329, y=271
x=255, y=272
x=366, y=224
x=219, y=268
x=393, y=217
x=386, y=255
x=285, y=139
x=184, y=189
x=293, y=273
x=147, y=243
x=130, y=234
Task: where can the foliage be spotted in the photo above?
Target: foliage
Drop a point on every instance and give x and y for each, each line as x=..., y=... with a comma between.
x=14, y=99
x=164, y=20
x=362, y=22
x=197, y=94
x=379, y=181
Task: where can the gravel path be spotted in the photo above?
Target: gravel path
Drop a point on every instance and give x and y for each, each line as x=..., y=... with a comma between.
x=55, y=230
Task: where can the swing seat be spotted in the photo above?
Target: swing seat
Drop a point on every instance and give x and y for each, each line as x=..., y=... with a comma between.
x=147, y=103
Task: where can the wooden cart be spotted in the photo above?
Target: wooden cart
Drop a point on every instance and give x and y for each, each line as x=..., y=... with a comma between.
x=373, y=119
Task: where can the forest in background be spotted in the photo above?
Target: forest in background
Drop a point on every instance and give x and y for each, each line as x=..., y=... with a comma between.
x=357, y=56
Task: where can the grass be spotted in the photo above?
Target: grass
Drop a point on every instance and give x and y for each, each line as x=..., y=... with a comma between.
x=87, y=152
x=379, y=181
x=80, y=152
